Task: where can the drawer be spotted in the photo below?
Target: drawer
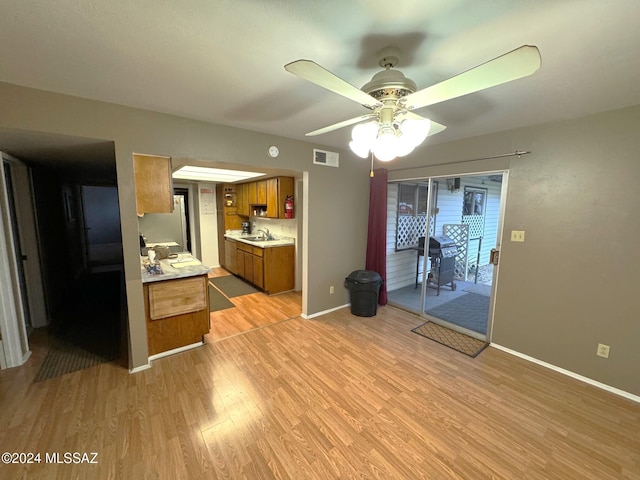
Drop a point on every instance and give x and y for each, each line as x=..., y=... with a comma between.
x=244, y=247
x=176, y=297
x=257, y=251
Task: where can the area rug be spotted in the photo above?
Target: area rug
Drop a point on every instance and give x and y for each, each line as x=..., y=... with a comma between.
x=217, y=301
x=232, y=286
x=470, y=311
x=457, y=341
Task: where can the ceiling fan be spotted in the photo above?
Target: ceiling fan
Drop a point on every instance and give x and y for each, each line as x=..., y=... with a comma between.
x=391, y=128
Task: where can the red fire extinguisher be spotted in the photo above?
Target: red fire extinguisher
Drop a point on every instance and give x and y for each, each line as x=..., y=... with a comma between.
x=288, y=207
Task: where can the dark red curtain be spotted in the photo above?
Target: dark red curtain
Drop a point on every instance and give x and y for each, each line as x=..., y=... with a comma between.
x=377, y=237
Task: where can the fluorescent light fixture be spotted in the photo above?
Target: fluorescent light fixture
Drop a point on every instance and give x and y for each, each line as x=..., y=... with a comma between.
x=207, y=174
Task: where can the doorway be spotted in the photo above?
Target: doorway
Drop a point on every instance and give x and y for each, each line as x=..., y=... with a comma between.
x=101, y=214
x=439, y=267
x=20, y=257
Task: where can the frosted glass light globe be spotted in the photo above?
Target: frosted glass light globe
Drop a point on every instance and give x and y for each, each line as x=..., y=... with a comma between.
x=415, y=130
x=359, y=149
x=386, y=145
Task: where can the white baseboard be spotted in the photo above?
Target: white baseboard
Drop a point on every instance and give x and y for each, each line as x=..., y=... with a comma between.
x=324, y=312
x=3, y=363
x=140, y=368
x=569, y=373
x=174, y=351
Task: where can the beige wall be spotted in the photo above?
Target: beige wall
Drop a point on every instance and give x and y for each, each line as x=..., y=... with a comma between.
x=573, y=283
x=338, y=197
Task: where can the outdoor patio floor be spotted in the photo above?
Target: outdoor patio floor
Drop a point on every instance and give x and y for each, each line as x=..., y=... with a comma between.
x=409, y=297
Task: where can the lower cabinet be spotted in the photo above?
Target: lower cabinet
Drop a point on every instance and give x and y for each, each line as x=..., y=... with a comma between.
x=249, y=263
x=230, y=256
x=271, y=269
x=177, y=312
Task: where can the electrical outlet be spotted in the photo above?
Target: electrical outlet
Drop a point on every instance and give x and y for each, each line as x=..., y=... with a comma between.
x=331, y=290
x=517, y=235
x=603, y=350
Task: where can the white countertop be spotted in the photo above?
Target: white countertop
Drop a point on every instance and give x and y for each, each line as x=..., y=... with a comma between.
x=186, y=265
x=279, y=242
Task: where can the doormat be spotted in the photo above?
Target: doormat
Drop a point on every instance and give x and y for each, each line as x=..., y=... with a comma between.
x=232, y=286
x=452, y=339
x=217, y=301
x=66, y=357
x=470, y=311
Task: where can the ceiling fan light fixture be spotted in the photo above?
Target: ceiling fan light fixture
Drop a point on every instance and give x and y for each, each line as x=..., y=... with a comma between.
x=365, y=133
x=405, y=146
x=386, y=145
x=415, y=131
x=360, y=149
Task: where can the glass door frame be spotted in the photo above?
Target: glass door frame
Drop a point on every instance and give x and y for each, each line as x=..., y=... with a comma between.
x=430, y=214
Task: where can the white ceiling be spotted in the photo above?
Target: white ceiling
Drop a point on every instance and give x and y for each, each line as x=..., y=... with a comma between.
x=222, y=60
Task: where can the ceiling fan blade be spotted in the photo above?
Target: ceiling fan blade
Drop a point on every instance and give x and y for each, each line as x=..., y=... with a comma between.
x=435, y=126
x=314, y=73
x=342, y=124
x=518, y=63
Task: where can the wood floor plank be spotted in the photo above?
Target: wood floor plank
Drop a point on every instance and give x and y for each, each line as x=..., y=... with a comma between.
x=335, y=397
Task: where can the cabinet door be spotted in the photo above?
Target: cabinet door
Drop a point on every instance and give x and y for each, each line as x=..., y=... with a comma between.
x=253, y=193
x=261, y=192
x=230, y=256
x=258, y=271
x=279, y=269
x=273, y=205
x=248, y=267
x=154, y=185
x=240, y=263
x=285, y=189
x=243, y=199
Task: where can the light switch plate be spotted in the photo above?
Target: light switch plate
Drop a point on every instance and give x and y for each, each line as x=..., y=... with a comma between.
x=517, y=235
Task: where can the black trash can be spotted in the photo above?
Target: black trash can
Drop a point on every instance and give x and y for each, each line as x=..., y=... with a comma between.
x=364, y=288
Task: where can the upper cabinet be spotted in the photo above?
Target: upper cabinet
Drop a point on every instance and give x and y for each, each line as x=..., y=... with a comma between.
x=154, y=184
x=278, y=189
x=268, y=196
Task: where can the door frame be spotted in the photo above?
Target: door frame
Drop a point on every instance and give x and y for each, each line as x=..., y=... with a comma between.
x=14, y=345
x=494, y=282
x=441, y=175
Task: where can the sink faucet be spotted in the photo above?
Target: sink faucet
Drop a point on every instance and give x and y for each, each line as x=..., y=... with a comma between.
x=266, y=233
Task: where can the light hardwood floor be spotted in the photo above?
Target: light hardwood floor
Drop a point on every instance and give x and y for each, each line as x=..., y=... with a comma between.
x=251, y=311
x=338, y=396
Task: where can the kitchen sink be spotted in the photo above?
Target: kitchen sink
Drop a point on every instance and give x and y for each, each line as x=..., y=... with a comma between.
x=257, y=239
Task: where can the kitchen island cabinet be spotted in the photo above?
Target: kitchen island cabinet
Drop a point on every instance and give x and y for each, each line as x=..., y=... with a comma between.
x=176, y=306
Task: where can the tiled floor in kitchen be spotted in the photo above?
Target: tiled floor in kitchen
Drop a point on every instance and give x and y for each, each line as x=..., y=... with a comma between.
x=251, y=312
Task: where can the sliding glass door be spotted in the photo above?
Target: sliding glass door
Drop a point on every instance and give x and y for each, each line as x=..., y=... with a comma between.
x=443, y=230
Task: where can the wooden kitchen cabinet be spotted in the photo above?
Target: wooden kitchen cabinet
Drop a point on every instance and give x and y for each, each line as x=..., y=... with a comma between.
x=249, y=263
x=177, y=312
x=230, y=256
x=278, y=189
x=271, y=193
x=258, y=271
x=279, y=269
x=154, y=184
x=243, y=199
x=257, y=192
x=271, y=269
x=261, y=192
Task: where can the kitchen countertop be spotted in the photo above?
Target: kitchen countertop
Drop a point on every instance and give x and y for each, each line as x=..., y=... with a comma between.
x=192, y=268
x=279, y=242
